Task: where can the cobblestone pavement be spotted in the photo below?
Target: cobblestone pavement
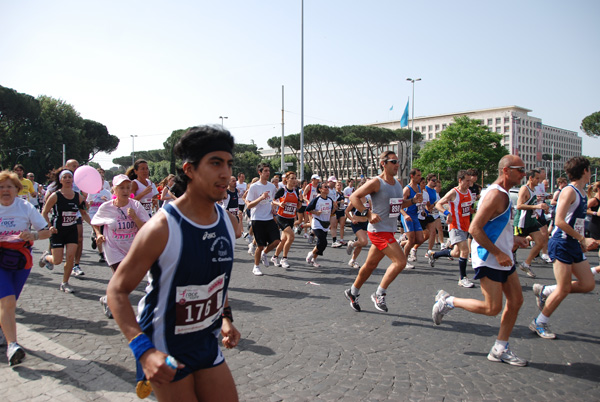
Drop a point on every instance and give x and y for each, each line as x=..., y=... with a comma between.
x=301, y=341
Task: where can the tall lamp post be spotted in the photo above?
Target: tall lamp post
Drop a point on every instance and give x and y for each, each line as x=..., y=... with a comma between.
x=133, y=149
x=222, y=118
x=412, y=126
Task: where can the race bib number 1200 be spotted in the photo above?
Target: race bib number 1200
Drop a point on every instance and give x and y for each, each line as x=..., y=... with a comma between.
x=198, y=307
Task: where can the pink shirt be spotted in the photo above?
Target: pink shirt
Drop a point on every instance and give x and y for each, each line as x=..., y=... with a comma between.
x=119, y=229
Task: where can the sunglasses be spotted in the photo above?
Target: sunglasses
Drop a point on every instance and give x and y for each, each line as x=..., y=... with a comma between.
x=521, y=169
x=392, y=161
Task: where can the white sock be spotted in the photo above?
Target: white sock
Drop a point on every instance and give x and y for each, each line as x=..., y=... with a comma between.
x=548, y=290
x=450, y=301
x=355, y=291
x=500, y=345
x=542, y=319
x=380, y=291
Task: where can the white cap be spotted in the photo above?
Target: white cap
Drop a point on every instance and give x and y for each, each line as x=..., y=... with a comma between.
x=332, y=179
x=120, y=178
x=315, y=176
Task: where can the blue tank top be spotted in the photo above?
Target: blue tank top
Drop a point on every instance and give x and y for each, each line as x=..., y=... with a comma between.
x=575, y=217
x=413, y=209
x=187, y=285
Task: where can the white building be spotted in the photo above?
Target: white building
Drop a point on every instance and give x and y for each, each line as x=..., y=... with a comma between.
x=524, y=135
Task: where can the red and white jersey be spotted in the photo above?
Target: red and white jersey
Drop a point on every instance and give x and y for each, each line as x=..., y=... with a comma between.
x=289, y=203
x=460, y=208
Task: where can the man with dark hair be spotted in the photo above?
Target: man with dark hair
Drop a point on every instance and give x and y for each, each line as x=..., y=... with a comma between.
x=266, y=233
x=460, y=201
x=567, y=248
x=542, y=196
x=387, y=201
x=493, y=262
x=188, y=249
x=526, y=223
x=410, y=220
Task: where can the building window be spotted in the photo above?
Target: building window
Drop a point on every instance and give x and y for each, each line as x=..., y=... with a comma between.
x=506, y=129
x=444, y=126
x=498, y=129
x=507, y=120
x=430, y=128
x=437, y=127
x=498, y=120
x=489, y=122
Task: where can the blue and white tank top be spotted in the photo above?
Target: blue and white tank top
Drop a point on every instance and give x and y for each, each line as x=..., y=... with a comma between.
x=413, y=209
x=187, y=285
x=575, y=216
x=500, y=231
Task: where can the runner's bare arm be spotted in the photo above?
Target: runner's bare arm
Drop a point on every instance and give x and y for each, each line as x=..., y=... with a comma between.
x=370, y=187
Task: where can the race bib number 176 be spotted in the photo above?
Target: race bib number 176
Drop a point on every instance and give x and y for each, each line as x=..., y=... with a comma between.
x=198, y=307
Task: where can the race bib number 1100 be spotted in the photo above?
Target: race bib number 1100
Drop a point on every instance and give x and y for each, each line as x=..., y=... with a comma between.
x=198, y=307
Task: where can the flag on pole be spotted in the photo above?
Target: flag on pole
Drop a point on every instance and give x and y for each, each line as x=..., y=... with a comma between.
x=392, y=108
x=404, y=120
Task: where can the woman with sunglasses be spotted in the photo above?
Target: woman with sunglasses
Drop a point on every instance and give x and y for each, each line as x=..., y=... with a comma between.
x=116, y=223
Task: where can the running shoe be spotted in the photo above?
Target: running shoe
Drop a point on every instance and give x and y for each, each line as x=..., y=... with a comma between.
x=466, y=283
x=15, y=354
x=245, y=234
x=256, y=271
x=350, y=247
x=353, y=300
x=316, y=264
x=343, y=242
x=409, y=266
x=542, y=330
x=285, y=263
x=336, y=244
x=65, y=287
x=379, y=302
x=353, y=264
x=506, y=356
x=101, y=259
x=412, y=256
x=105, y=308
x=44, y=262
x=305, y=235
x=546, y=258
x=275, y=262
x=264, y=259
x=298, y=229
x=527, y=269
x=430, y=258
x=94, y=245
x=77, y=271
x=251, y=249
x=538, y=292
x=440, y=308
x=311, y=239
x=309, y=258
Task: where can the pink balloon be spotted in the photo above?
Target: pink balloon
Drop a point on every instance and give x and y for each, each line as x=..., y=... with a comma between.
x=88, y=180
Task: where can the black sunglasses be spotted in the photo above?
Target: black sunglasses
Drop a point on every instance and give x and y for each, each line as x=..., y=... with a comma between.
x=521, y=169
x=392, y=161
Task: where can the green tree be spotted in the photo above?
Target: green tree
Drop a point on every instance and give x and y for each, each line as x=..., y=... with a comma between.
x=464, y=144
x=591, y=125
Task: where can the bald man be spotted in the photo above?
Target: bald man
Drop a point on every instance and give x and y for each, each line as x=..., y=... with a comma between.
x=493, y=240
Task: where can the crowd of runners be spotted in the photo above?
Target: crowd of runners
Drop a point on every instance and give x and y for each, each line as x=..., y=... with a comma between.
x=185, y=252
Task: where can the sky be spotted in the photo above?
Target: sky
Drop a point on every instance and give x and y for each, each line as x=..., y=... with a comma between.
x=147, y=68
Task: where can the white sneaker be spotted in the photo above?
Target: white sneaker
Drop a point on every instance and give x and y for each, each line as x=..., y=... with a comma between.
x=315, y=264
x=284, y=263
x=409, y=266
x=412, y=256
x=350, y=247
x=465, y=283
x=256, y=271
x=527, y=269
x=65, y=287
x=15, y=354
x=353, y=264
x=309, y=258
x=251, y=249
x=275, y=262
x=77, y=270
x=264, y=259
x=430, y=258
x=305, y=235
x=336, y=244
x=546, y=258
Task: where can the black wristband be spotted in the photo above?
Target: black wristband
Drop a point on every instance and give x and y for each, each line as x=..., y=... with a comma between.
x=227, y=313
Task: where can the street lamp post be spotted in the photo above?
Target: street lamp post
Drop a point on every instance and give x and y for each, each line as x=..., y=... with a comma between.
x=412, y=126
x=133, y=149
x=222, y=117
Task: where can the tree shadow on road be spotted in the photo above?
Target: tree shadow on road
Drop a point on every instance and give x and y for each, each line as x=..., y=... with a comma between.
x=251, y=346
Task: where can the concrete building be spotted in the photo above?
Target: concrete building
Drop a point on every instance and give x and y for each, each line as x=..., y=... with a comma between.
x=524, y=135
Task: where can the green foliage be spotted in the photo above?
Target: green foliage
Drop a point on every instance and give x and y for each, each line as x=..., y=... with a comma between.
x=462, y=145
x=33, y=131
x=591, y=125
x=158, y=170
x=246, y=162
